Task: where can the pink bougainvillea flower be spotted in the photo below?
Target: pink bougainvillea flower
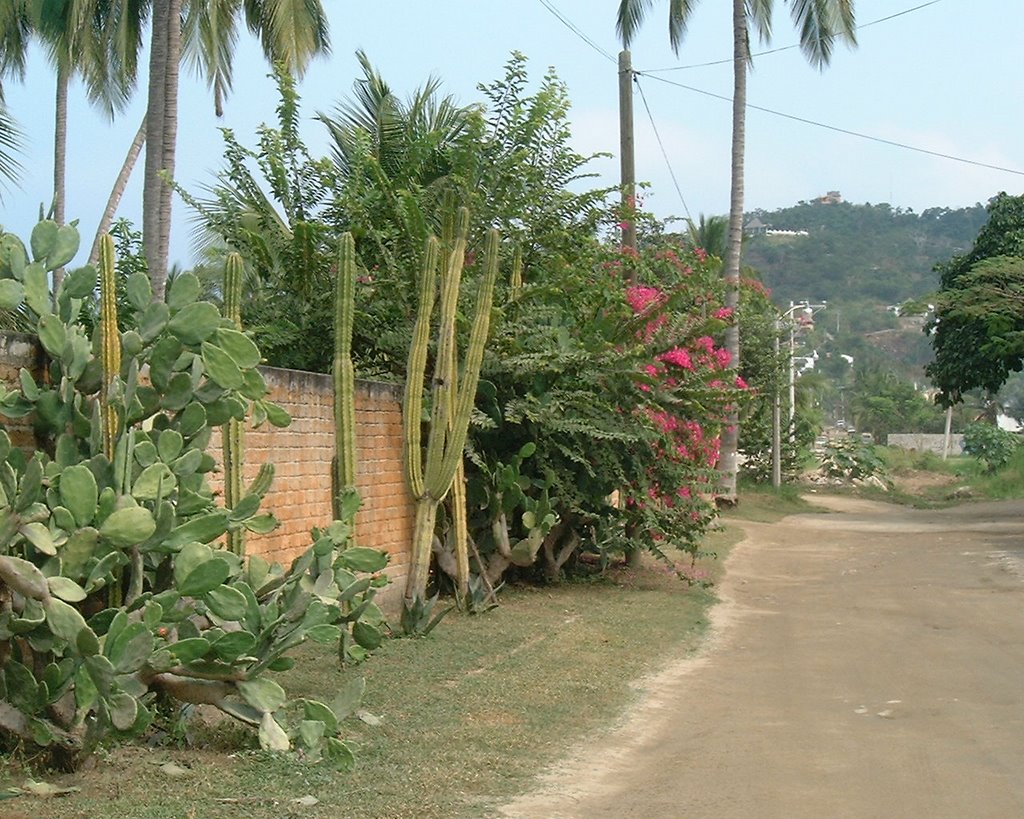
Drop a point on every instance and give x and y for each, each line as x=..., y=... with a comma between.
x=722, y=357
x=741, y=384
x=723, y=313
x=704, y=343
x=678, y=357
x=640, y=298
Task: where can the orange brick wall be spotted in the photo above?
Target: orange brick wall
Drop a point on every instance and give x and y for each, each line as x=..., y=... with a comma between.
x=300, y=496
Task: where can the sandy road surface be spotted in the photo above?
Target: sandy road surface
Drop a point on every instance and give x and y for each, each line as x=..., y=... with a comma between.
x=863, y=663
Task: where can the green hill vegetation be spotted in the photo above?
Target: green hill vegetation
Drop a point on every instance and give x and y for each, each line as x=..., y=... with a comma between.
x=858, y=253
x=864, y=261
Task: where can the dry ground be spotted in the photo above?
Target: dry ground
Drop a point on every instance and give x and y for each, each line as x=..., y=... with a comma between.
x=864, y=663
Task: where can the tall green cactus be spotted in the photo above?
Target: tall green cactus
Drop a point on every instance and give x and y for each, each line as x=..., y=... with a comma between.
x=234, y=430
x=110, y=343
x=110, y=362
x=430, y=477
x=344, y=374
x=516, y=281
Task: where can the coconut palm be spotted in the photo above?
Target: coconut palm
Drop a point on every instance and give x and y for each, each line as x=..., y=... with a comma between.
x=15, y=32
x=291, y=33
x=820, y=24
x=710, y=233
x=84, y=38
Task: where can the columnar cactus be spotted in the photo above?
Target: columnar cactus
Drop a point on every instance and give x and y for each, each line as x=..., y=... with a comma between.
x=344, y=374
x=110, y=343
x=233, y=444
x=430, y=477
x=516, y=281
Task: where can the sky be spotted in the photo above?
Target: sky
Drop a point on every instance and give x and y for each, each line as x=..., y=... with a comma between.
x=945, y=77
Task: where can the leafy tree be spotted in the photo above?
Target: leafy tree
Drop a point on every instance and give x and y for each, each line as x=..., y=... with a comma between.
x=881, y=403
x=820, y=25
x=978, y=329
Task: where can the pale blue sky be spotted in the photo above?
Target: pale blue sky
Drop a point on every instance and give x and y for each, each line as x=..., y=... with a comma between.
x=947, y=77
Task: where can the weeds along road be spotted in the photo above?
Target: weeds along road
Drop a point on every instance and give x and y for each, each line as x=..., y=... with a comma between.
x=868, y=662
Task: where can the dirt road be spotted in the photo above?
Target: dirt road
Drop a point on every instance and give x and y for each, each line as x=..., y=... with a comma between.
x=863, y=663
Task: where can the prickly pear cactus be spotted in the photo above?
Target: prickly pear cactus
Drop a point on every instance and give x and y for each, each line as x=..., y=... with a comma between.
x=194, y=620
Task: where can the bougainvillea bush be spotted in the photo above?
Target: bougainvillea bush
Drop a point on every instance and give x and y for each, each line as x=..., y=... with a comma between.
x=602, y=403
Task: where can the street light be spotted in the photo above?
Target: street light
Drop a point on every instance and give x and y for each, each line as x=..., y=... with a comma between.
x=808, y=309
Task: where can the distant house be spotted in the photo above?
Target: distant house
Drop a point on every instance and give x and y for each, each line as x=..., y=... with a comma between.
x=755, y=227
x=830, y=198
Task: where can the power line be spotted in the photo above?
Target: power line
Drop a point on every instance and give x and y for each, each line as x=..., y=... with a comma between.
x=789, y=47
x=839, y=130
x=576, y=30
x=664, y=153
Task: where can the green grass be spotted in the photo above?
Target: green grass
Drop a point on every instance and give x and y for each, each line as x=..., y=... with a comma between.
x=1004, y=484
x=762, y=503
x=904, y=461
x=469, y=714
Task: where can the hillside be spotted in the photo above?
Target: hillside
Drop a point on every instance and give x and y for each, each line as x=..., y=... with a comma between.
x=861, y=259
x=858, y=253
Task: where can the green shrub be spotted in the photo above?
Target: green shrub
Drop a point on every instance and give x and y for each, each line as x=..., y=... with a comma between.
x=852, y=460
x=992, y=446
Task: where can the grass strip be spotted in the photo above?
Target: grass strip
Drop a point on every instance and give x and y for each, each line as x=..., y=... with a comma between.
x=469, y=715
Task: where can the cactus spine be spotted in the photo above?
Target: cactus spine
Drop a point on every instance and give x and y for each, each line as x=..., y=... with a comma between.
x=110, y=344
x=234, y=431
x=344, y=375
x=430, y=478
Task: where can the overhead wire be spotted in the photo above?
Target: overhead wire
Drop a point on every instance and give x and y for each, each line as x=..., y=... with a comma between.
x=661, y=145
x=652, y=74
x=728, y=61
x=565, y=21
x=837, y=129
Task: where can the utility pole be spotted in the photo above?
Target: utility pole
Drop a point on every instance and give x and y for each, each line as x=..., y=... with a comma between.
x=627, y=164
x=776, y=418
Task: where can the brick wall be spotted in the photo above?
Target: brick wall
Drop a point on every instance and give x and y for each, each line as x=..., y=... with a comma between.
x=300, y=496
x=302, y=452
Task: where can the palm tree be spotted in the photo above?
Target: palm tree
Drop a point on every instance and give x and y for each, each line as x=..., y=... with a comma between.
x=710, y=233
x=820, y=24
x=82, y=38
x=291, y=34
x=15, y=31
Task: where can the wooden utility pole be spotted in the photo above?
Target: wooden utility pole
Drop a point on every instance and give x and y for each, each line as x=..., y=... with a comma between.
x=626, y=159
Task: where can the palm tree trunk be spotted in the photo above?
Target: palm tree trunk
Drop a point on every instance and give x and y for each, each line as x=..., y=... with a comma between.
x=60, y=146
x=170, y=131
x=161, y=135
x=741, y=55
x=118, y=190
x=155, y=149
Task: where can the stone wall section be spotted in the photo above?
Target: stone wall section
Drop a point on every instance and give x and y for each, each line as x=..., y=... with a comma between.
x=19, y=350
x=930, y=442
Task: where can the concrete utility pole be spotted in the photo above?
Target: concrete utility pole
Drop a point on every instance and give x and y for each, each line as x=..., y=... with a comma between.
x=627, y=163
x=776, y=418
